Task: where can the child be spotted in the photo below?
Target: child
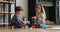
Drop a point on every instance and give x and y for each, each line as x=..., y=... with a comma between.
x=25, y=22
x=41, y=15
x=15, y=21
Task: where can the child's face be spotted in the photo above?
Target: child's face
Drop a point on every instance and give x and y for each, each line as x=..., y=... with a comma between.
x=38, y=10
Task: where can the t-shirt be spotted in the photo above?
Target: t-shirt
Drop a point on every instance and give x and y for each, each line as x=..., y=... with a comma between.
x=19, y=17
x=41, y=16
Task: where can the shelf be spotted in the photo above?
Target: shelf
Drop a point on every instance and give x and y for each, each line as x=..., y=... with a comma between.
x=3, y=12
x=3, y=1
x=12, y=2
x=7, y=2
x=7, y=13
x=12, y=12
x=3, y=23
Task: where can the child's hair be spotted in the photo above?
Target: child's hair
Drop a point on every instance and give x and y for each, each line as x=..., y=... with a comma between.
x=23, y=18
x=39, y=6
x=18, y=8
x=42, y=8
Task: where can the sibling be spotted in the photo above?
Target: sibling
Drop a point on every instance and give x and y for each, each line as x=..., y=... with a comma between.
x=15, y=21
x=41, y=16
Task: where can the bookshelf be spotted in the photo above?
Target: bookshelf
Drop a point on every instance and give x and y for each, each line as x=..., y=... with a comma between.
x=7, y=2
x=7, y=12
x=6, y=8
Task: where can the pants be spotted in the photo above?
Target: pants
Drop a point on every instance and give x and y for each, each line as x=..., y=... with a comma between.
x=44, y=26
x=17, y=24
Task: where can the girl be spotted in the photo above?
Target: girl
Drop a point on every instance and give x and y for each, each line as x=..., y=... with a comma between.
x=41, y=16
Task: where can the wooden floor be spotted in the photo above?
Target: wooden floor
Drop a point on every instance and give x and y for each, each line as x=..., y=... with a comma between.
x=31, y=30
x=28, y=30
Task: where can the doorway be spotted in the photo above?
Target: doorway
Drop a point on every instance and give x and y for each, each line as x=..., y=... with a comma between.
x=50, y=13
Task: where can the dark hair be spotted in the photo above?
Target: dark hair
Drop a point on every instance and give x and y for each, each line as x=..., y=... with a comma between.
x=18, y=8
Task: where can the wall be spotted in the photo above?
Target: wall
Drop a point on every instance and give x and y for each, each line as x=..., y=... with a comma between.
x=44, y=3
x=24, y=4
x=59, y=9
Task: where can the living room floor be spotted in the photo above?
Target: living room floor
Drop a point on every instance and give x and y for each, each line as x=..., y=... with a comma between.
x=32, y=30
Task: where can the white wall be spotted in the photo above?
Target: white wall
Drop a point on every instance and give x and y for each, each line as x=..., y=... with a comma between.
x=59, y=9
x=24, y=4
x=44, y=3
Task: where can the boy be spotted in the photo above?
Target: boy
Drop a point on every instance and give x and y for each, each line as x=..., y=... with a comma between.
x=16, y=22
